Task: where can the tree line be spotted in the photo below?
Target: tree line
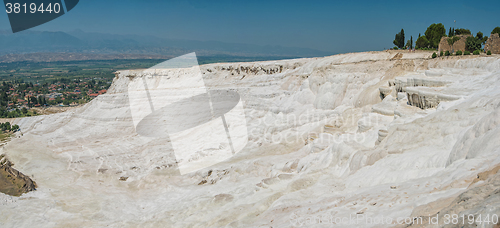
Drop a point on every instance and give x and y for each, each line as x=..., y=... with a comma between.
x=432, y=36
x=7, y=127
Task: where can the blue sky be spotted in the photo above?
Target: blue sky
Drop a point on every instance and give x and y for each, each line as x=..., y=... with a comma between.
x=335, y=26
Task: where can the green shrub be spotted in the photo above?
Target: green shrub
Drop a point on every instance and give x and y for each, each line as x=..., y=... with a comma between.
x=434, y=55
x=452, y=40
x=5, y=126
x=473, y=43
x=447, y=53
x=399, y=40
x=488, y=53
x=476, y=52
x=395, y=48
x=422, y=42
x=462, y=31
x=467, y=53
x=458, y=52
x=496, y=30
x=441, y=53
x=434, y=33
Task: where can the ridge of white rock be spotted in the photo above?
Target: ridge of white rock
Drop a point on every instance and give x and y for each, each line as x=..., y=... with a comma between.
x=349, y=134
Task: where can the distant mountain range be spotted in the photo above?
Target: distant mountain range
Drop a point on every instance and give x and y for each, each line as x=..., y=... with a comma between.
x=72, y=56
x=100, y=43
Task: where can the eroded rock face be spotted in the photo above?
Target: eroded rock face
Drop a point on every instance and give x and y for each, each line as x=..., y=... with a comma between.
x=493, y=44
x=424, y=91
x=13, y=182
x=459, y=45
x=479, y=204
x=384, y=92
x=422, y=100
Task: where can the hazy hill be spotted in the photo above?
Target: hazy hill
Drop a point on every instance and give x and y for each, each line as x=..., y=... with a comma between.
x=101, y=43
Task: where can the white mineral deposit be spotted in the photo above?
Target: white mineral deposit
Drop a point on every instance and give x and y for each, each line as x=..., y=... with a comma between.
x=351, y=136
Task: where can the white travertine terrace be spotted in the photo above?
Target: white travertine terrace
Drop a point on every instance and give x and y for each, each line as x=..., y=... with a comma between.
x=322, y=142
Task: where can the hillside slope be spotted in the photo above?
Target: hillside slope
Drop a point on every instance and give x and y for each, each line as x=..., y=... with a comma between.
x=362, y=134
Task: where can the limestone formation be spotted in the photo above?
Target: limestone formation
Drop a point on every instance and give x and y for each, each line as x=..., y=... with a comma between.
x=493, y=44
x=382, y=133
x=457, y=46
x=384, y=92
x=321, y=142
